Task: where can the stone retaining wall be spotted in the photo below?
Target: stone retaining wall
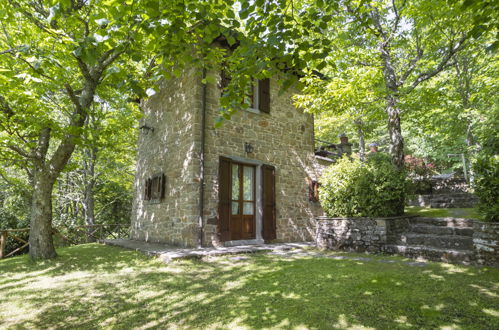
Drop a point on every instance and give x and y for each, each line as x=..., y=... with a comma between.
x=379, y=234
x=486, y=243
x=358, y=234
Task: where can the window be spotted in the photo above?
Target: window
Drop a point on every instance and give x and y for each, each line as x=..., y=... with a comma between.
x=155, y=188
x=259, y=94
x=313, y=191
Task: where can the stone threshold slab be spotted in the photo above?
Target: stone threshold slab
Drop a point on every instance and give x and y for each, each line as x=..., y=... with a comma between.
x=168, y=253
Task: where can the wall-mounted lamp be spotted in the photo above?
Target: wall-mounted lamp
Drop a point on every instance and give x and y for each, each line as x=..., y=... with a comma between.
x=248, y=148
x=146, y=129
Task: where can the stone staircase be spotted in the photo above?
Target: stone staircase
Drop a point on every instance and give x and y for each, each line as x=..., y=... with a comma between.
x=453, y=200
x=444, y=200
x=436, y=239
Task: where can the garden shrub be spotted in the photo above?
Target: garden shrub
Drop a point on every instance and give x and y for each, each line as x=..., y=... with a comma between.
x=486, y=167
x=371, y=189
x=419, y=174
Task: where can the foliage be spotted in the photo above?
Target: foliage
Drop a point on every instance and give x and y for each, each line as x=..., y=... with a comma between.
x=486, y=167
x=399, y=47
x=487, y=186
x=253, y=291
x=353, y=188
x=443, y=116
x=345, y=102
x=14, y=207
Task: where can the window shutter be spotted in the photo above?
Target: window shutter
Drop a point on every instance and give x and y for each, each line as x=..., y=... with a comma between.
x=269, y=207
x=154, y=188
x=264, y=95
x=147, y=190
x=162, y=185
x=224, y=198
x=313, y=190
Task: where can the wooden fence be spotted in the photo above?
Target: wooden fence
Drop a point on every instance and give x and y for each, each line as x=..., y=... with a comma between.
x=67, y=235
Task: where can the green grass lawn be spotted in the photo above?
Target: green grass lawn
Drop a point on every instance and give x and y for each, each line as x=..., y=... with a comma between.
x=470, y=213
x=95, y=286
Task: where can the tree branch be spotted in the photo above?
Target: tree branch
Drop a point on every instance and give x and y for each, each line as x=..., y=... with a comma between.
x=7, y=51
x=412, y=64
x=444, y=63
x=20, y=151
x=74, y=99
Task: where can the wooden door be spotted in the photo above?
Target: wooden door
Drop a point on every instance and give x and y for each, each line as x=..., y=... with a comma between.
x=243, y=208
x=237, y=200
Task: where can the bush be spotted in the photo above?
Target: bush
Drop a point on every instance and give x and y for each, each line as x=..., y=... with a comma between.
x=486, y=169
x=371, y=189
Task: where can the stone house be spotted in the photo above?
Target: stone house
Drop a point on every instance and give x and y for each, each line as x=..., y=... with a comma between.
x=249, y=181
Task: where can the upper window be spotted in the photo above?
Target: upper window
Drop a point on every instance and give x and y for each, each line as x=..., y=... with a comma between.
x=259, y=94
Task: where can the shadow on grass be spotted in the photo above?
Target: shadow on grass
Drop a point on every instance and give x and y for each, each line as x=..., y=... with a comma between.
x=95, y=286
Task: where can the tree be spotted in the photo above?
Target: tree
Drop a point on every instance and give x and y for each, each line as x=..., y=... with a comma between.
x=100, y=173
x=442, y=116
x=343, y=102
x=401, y=40
x=57, y=58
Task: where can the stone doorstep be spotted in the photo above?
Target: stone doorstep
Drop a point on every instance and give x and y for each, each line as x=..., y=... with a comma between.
x=169, y=253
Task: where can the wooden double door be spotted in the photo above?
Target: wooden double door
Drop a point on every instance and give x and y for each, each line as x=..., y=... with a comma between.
x=238, y=208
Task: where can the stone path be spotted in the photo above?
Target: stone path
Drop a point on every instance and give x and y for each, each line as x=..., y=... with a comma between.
x=169, y=253
x=285, y=250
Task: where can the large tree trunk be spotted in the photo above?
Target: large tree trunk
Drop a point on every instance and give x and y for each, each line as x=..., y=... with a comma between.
x=41, y=245
x=395, y=131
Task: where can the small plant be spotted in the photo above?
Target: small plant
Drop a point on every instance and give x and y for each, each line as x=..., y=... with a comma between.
x=419, y=173
x=371, y=189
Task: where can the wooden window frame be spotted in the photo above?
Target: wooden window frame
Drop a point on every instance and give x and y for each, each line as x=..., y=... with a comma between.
x=313, y=191
x=155, y=188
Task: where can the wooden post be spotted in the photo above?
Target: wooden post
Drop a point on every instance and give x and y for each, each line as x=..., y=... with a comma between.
x=3, y=242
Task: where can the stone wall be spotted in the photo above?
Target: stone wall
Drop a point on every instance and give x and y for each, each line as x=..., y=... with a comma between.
x=283, y=138
x=486, y=242
x=356, y=234
x=172, y=149
x=452, y=240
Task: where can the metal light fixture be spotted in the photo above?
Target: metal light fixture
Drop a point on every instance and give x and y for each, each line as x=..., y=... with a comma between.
x=248, y=148
x=146, y=129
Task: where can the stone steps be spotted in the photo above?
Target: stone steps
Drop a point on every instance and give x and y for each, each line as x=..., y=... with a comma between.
x=443, y=222
x=436, y=239
x=455, y=242
x=441, y=230
x=444, y=200
x=431, y=253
